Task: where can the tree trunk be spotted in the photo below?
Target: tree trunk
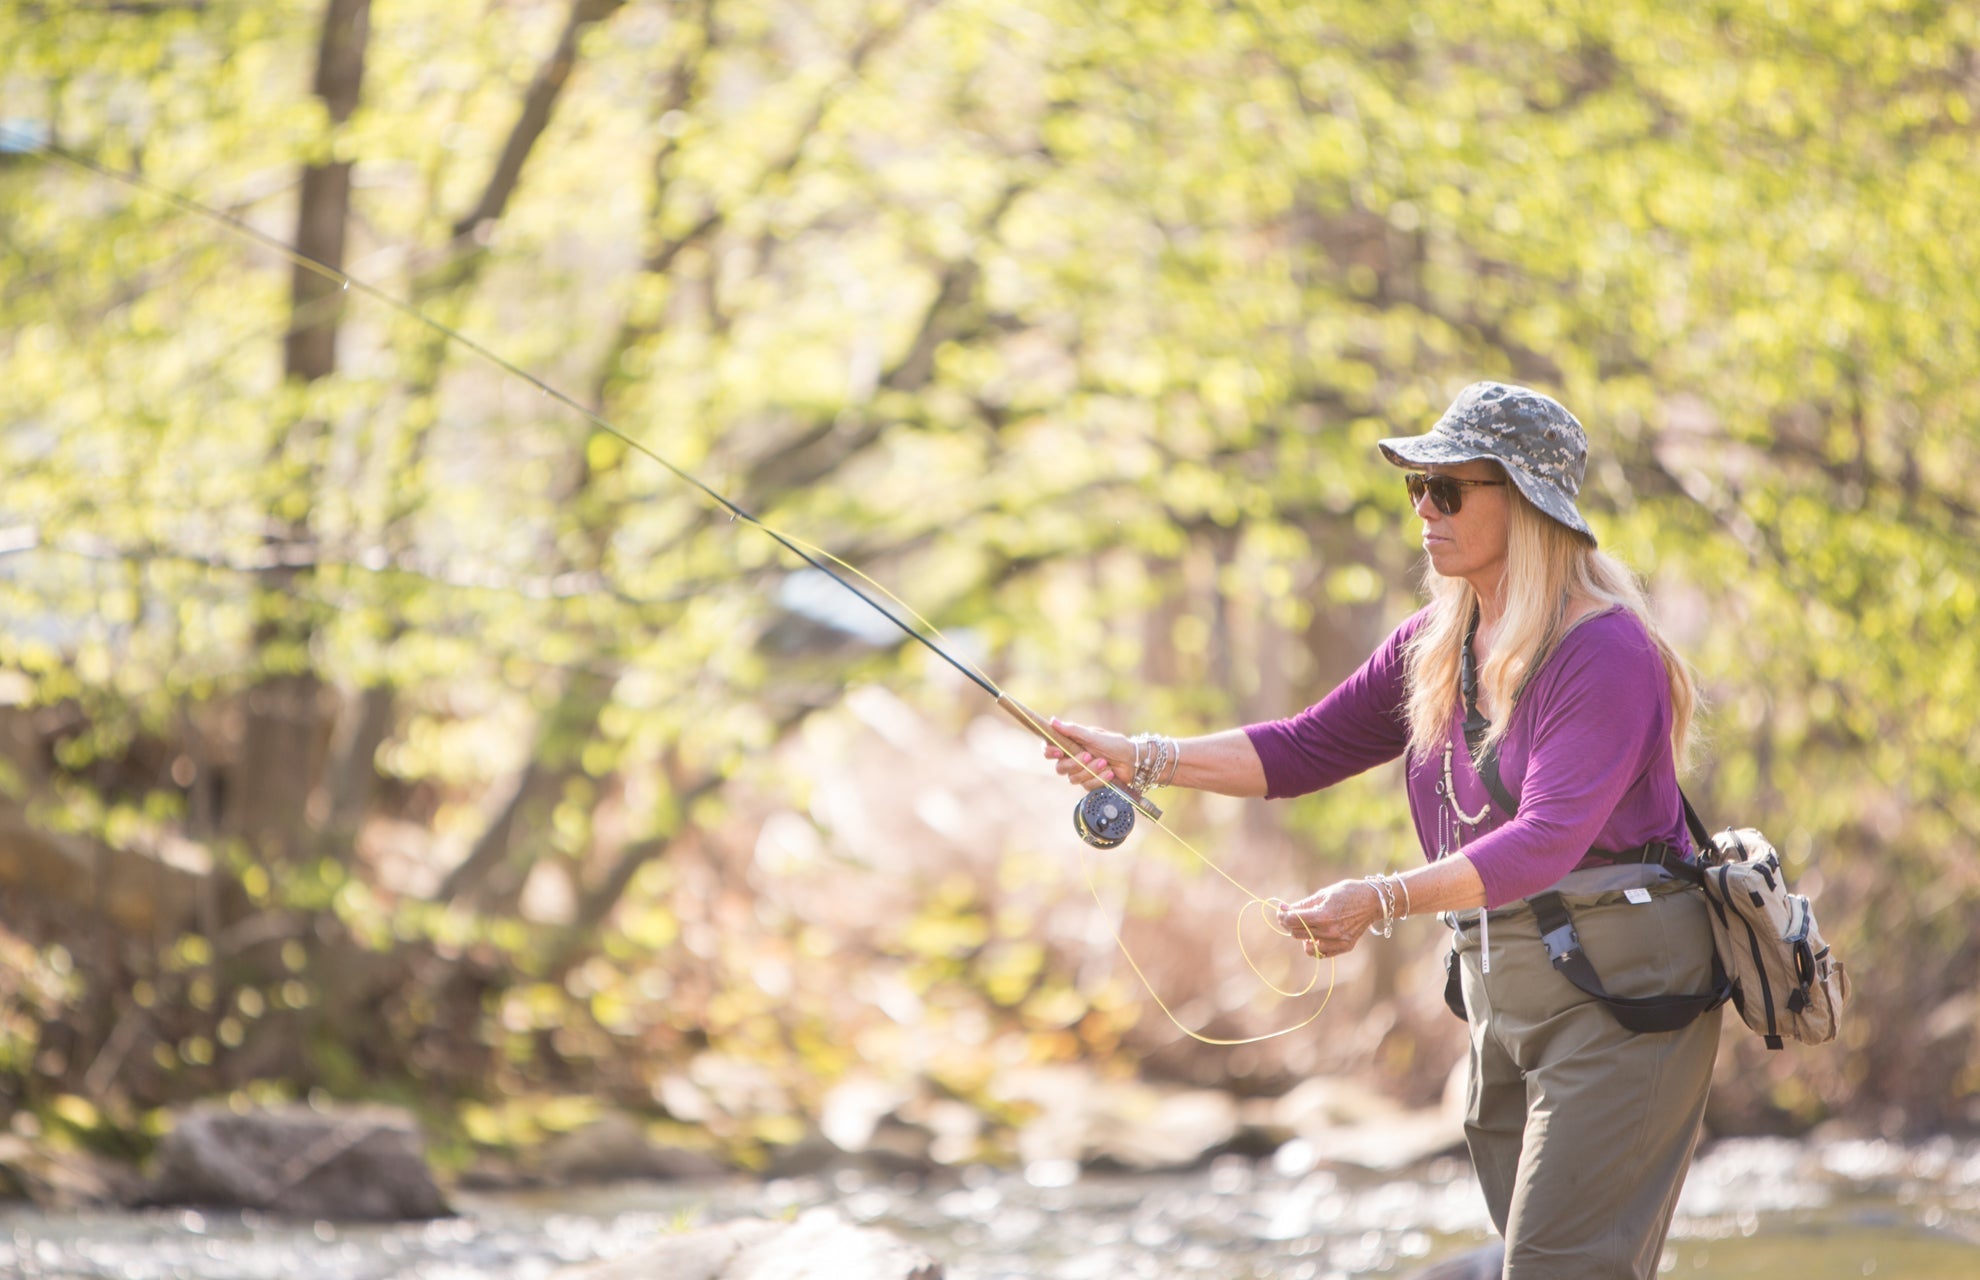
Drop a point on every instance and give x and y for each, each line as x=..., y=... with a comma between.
x=353, y=769
x=323, y=211
x=287, y=712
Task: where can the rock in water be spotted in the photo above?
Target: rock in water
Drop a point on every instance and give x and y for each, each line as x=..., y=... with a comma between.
x=615, y=1148
x=346, y=1163
x=820, y=1245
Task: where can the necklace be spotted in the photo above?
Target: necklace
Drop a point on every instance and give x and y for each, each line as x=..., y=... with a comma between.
x=1452, y=820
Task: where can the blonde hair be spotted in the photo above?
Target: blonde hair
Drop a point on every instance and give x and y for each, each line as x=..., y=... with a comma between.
x=1548, y=568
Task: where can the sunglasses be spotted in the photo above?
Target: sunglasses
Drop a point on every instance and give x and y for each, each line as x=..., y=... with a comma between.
x=1447, y=492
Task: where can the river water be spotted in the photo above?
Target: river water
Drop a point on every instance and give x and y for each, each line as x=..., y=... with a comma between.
x=1751, y=1208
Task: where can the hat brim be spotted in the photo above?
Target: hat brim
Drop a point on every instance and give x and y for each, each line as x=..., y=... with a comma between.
x=1413, y=453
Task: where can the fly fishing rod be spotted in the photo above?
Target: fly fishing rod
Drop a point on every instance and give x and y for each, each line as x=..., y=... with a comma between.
x=1103, y=817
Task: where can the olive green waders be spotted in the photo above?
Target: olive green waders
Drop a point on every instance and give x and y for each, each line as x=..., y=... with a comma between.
x=1581, y=1132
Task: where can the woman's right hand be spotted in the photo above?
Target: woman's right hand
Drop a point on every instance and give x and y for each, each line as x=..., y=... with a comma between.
x=1104, y=756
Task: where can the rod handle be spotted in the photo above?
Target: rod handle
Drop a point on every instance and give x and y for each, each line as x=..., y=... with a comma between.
x=1042, y=727
x=1035, y=723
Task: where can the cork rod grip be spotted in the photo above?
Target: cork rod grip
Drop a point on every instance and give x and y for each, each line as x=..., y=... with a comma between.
x=1036, y=723
x=1043, y=728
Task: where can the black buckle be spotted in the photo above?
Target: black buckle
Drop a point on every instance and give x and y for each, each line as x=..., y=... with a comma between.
x=1561, y=942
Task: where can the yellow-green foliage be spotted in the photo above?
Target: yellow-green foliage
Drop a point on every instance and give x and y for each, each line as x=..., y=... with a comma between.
x=1076, y=324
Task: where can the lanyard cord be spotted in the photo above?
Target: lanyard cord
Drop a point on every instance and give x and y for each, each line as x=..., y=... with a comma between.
x=817, y=557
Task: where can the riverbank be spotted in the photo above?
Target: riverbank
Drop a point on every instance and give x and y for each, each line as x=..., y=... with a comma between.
x=1816, y=1210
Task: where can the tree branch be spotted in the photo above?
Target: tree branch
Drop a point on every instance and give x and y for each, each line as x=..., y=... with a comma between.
x=534, y=117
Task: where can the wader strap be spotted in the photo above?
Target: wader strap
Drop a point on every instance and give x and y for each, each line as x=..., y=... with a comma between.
x=1635, y=1013
x=1454, y=983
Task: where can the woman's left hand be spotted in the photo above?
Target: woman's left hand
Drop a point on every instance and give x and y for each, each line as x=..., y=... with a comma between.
x=1330, y=922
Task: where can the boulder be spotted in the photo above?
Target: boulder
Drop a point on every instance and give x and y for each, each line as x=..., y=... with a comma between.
x=1079, y=1118
x=1341, y=1122
x=342, y=1163
x=953, y=1130
x=1160, y=1130
x=820, y=1245
x=854, y=1109
x=867, y=1117
x=616, y=1148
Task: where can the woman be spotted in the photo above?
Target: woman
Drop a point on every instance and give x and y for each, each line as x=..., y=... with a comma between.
x=1581, y=1130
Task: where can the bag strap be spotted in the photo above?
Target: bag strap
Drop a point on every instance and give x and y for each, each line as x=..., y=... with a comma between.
x=1635, y=1013
x=1702, y=845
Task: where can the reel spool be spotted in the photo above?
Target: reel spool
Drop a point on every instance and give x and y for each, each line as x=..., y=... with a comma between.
x=1104, y=817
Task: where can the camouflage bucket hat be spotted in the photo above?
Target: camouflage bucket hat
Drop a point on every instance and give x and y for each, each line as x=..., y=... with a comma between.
x=1539, y=443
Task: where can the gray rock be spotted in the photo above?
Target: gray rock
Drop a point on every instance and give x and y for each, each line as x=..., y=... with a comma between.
x=1342, y=1122
x=854, y=1109
x=615, y=1148
x=1079, y=1118
x=865, y=1117
x=810, y=1154
x=346, y=1163
x=1163, y=1131
x=820, y=1245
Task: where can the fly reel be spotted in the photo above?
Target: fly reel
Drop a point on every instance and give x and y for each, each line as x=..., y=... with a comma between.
x=1105, y=816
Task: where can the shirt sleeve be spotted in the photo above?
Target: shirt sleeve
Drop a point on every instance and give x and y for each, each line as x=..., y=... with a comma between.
x=1599, y=717
x=1356, y=727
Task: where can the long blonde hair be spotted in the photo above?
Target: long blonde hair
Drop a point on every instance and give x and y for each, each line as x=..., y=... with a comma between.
x=1548, y=567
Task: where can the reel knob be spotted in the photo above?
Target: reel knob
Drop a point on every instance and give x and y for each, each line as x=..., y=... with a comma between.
x=1103, y=818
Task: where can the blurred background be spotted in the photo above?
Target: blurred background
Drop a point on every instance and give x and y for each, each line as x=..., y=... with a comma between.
x=374, y=727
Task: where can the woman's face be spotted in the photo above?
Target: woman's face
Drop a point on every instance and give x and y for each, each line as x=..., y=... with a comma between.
x=1472, y=543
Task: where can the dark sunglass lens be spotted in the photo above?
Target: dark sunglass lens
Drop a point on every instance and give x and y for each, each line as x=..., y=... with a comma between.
x=1444, y=492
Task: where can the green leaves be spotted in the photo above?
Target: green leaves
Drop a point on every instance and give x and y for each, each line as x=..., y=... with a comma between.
x=1076, y=327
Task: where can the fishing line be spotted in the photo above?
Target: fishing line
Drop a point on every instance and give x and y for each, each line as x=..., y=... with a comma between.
x=817, y=558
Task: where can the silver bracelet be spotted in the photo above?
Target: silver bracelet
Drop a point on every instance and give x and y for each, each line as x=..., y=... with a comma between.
x=1155, y=759
x=1384, y=894
x=1138, y=783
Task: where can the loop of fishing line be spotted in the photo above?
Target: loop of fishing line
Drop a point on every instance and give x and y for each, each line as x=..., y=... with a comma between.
x=816, y=557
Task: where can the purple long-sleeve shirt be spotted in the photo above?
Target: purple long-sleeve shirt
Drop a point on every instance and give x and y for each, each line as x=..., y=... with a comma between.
x=1588, y=755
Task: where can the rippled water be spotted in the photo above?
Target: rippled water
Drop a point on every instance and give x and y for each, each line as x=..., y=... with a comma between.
x=1751, y=1208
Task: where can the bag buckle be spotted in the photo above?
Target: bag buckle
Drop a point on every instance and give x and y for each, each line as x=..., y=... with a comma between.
x=1561, y=942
